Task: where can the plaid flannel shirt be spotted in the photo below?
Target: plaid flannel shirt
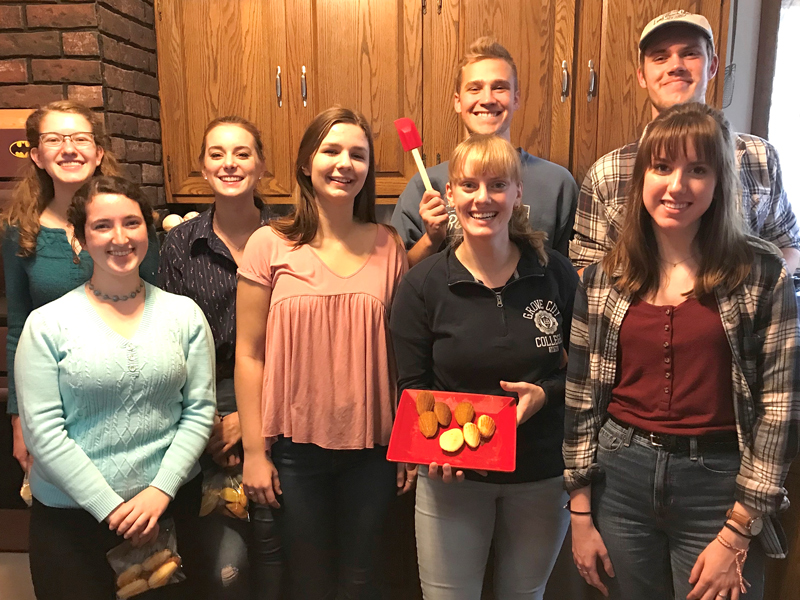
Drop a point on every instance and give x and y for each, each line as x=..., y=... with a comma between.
x=760, y=319
x=601, y=203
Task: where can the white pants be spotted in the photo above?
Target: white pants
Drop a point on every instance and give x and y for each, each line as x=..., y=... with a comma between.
x=455, y=526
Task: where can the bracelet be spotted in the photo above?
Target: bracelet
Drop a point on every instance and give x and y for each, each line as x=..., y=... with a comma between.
x=740, y=555
x=568, y=506
x=737, y=532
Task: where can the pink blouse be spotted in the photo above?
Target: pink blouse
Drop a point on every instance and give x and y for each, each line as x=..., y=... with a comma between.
x=329, y=372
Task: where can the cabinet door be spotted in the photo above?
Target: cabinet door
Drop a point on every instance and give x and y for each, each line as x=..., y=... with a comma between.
x=539, y=34
x=365, y=55
x=609, y=37
x=215, y=59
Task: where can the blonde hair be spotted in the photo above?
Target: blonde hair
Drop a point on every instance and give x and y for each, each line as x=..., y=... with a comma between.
x=35, y=191
x=482, y=49
x=726, y=249
x=491, y=154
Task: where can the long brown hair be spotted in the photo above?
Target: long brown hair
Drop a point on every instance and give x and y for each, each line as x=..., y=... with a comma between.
x=494, y=155
x=301, y=225
x=35, y=191
x=726, y=250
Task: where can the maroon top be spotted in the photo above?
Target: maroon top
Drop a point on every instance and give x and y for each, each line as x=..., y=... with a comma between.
x=674, y=371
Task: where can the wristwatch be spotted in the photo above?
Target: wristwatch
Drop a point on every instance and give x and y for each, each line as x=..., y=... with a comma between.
x=752, y=525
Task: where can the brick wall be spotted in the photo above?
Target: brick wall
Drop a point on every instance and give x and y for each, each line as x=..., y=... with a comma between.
x=100, y=53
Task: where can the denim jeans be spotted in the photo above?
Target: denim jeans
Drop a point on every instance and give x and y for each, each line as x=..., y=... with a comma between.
x=658, y=510
x=332, y=511
x=457, y=522
x=241, y=560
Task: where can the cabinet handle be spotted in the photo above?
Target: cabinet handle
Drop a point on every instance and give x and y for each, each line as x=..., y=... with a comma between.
x=438, y=158
x=564, y=81
x=278, y=90
x=304, y=87
x=592, y=92
x=439, y=7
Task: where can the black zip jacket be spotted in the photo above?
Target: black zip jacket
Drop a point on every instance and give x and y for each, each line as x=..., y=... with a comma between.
x=451, y=332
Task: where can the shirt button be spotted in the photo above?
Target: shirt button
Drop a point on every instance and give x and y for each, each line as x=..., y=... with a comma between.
x=666, y=327
x=666, y=360
x=667, y=375
x=666, y=390
x=668, y=311
x=666, y=344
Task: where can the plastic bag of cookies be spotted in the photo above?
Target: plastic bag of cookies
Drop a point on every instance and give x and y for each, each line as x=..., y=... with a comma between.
x=154, y=565
x=223, y=493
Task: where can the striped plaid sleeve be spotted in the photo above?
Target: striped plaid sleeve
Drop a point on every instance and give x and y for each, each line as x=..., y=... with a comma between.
x=765, y=464
x=581, y=426
x=591, y=241
x=761, y=165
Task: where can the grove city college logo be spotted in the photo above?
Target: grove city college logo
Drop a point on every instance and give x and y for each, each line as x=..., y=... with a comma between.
x=543, y=314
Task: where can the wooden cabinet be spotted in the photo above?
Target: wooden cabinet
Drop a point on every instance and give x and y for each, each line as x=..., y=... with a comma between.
x=223, y=57
x=215, y=59
x=362, y=54
x=539, y=34
x=393, y=58
x=608, y=35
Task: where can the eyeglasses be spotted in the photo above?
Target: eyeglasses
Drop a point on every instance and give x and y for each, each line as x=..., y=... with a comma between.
x=79, y=139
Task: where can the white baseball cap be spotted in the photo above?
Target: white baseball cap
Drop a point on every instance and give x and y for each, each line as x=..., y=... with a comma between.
x=677, y=18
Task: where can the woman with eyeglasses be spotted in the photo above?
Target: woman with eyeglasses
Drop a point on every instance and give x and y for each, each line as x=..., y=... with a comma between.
x=41, y=257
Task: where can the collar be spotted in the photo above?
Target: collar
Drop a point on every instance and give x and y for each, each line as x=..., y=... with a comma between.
x=457, y=273
x=201, y=234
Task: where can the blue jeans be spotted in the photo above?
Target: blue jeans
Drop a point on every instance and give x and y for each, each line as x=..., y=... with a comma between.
x=333, y=506
x=457, y=522
x=242, y=560
x=658, y=510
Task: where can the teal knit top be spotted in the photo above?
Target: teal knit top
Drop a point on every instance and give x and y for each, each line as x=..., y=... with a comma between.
x=48, y=274
x=105, y=416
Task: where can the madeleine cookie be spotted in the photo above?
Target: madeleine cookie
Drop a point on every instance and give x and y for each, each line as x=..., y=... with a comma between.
x=471, y=435
x=443, y=414
x=162, y=575
x=425, y=402
x=156, y=560
x=428, y=424
x=134, y=588
x=129, y=575
x=486, y=426
x=237, y=509
x=451, y=440
x=464, y=413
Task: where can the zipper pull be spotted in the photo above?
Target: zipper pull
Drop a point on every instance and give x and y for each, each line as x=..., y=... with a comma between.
x=499, y=300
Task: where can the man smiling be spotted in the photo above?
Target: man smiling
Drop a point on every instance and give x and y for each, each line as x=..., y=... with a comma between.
x=486, y=96
x=676, y=63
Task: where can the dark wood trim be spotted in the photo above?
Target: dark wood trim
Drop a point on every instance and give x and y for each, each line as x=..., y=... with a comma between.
x=765, y=73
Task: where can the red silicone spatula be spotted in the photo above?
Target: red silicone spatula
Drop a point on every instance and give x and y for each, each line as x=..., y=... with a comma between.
x=409, y=137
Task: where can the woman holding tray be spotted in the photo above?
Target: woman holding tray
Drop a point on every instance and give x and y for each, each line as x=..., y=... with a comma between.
x=490, y=315
x=314, y=375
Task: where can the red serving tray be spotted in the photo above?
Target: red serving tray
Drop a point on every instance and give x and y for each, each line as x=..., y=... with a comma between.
x=407, y=443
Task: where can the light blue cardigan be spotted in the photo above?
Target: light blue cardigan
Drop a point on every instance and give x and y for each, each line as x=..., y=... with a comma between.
x=105, y=417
